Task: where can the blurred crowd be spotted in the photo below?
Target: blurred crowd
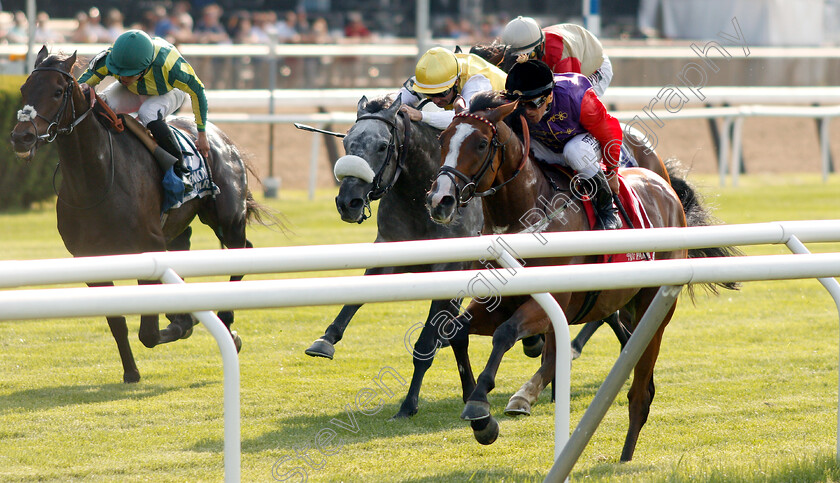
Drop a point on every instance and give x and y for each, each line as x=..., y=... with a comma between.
x=210, y=24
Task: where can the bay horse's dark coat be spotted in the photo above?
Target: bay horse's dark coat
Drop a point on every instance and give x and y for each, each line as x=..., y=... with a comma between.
x=110, y=197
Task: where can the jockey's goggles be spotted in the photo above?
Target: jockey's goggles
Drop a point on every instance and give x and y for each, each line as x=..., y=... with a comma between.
x=439, y=94
x=535, y=103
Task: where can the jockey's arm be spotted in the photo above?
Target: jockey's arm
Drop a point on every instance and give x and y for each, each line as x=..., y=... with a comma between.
x=603, y=126
x=96, y=71
x=407, y=94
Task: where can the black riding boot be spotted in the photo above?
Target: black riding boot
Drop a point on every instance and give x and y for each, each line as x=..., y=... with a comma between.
x=605, y=210
x=166, y=139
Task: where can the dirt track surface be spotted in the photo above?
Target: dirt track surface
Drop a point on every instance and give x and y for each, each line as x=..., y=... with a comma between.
x=770, y=145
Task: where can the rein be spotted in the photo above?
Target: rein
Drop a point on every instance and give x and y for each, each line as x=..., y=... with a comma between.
x=53, y=130
x=468, y=192
x=378, y=191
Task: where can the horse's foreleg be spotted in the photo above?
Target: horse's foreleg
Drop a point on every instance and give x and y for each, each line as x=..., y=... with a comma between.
x=119, y=330
x=460, y=343
x=642, y=388
x=325, y=345
x=180, y=324
x=529, y=319
x=427, y=345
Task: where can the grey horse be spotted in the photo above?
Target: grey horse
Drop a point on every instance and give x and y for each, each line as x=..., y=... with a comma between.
x=394, y=160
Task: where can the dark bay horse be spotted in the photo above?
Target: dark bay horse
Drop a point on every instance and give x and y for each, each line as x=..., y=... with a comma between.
x=395, y=160
x=110, y=197
x=472, y=150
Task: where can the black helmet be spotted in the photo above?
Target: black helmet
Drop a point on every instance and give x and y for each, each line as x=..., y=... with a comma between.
x=528, y=80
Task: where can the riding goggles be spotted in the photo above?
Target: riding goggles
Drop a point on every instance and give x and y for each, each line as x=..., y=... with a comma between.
x=535, y=103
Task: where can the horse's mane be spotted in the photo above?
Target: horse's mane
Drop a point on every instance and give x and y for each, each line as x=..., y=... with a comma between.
x=487, y=100
x=53, y=60
x=492, y=52
x=378, y=104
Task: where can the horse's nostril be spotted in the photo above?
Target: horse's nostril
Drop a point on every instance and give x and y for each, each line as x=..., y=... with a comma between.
x=356, y=204
x=447, y=202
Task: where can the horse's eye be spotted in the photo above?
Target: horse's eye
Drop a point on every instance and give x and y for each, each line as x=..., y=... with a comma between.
x=383, y=147
x=482, y=145
x=58, y=93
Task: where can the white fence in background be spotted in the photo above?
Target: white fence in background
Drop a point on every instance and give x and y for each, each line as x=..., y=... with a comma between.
x=200, y=298
x=750, y=102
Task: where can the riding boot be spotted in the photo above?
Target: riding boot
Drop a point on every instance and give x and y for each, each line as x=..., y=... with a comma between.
x=605, y=210
x=166, y=139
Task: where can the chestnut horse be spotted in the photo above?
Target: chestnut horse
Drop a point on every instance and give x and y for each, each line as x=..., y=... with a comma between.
x=111, y=194
x=482, y=156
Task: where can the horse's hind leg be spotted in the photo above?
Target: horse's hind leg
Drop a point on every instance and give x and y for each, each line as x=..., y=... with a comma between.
x=424, y=352
x=119, y=330
x=642, y=388
x=585, y=334
x=522, y=400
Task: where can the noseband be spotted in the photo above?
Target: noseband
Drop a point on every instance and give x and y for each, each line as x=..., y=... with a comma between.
x=469, y=191
x=378, y=190
x=53, y=128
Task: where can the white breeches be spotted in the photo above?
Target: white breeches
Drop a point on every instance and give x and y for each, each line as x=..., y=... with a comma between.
x=123, y=101
x=582, y=153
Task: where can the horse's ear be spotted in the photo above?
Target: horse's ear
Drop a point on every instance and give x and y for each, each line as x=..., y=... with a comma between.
x=70, y=62
x=394, y=107
x=496, y=115
x=42, y=54
x=458, y=49
x=360, y=107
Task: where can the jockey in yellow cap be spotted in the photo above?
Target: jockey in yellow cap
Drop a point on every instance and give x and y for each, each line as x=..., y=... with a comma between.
x=449, y=80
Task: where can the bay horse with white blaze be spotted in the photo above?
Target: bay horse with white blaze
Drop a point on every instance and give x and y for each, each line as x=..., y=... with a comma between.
x=482, y=156
x=111, y=196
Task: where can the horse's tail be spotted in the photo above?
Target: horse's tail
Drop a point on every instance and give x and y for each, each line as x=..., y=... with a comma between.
x=698, y=215
x=256, y=212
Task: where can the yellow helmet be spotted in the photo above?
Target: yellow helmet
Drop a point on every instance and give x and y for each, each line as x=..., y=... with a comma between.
x=436, y=71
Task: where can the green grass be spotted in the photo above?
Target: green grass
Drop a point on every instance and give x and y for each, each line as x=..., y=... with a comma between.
x=746, y=381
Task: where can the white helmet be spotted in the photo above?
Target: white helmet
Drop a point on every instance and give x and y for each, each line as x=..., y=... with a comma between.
x=522, y=35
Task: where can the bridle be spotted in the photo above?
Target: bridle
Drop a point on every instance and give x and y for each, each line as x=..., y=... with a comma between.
x=379, y=190
x=53, y=128
x=469, y=191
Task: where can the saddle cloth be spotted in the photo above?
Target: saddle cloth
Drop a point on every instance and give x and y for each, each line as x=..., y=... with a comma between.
x=629, y=200
x=203, y=185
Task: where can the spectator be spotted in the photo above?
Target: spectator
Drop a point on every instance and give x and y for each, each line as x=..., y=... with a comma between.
x=264, y=25
x=355, y=28
x=19, y=33
x=287, y=29
x=114, y=24
x=209, y=29
x=151, y=17
x=83, y=33
x=44, y=34
x=241, y=28
x=177, y=28
x=95, y=26
x=319, y=33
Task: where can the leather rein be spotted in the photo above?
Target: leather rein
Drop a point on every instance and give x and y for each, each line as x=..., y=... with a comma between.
x=469, y=191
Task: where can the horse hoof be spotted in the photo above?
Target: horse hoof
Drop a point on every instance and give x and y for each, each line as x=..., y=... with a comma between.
x=321, y=348
x=400, y=415
x=575, y=353
x=535, y=349
x=489, y=433
x=237, y=341
x=170, y=334
x=131, y=377
x=518, y=406
x=475, y=410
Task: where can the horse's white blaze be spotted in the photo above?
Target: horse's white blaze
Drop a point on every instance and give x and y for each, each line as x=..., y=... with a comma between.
x=444, y=183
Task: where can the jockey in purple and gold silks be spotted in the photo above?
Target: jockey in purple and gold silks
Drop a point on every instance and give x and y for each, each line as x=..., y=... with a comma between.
x=154, y=80
x=570, y=126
